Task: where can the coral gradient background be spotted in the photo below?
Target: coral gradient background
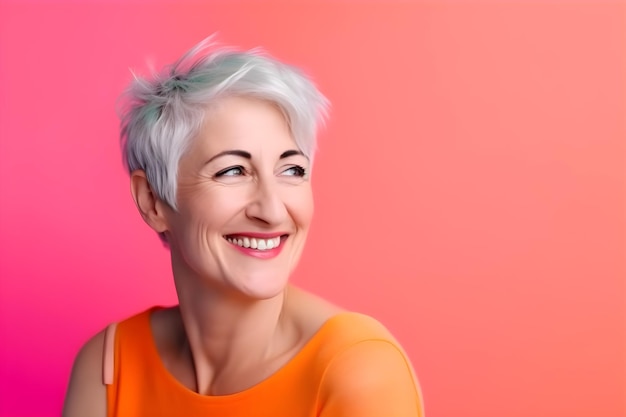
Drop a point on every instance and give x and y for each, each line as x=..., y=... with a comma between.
x=471, y=187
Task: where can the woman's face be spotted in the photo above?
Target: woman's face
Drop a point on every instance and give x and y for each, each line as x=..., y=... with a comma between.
x=244, y=200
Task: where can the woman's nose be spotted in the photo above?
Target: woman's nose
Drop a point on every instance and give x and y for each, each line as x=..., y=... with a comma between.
x=267, y=205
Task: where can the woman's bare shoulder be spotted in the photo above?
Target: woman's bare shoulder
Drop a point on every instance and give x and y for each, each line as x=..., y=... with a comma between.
x=310, y=311
x=86, y=393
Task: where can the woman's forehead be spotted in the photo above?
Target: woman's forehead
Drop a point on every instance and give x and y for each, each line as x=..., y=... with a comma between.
x=238, y=122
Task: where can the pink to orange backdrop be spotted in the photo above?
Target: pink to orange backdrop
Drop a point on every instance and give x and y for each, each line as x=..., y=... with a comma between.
x=470, y=187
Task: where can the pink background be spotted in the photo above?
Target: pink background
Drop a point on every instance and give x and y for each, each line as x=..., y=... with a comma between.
x=471, y=187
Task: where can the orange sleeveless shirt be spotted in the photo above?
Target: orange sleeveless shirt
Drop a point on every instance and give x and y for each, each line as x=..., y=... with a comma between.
x=350, y=367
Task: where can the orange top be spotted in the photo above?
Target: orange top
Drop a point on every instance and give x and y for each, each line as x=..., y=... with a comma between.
x=351, y=367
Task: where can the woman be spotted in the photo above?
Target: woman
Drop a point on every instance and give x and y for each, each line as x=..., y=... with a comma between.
x=219, y=149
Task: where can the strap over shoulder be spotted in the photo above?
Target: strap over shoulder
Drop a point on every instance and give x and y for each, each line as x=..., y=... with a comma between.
x=108, y=354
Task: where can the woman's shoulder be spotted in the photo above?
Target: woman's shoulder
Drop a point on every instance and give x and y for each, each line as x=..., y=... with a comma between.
x=93, y=367
x=142, y=317
x=356, y=327
x=93, y=353
x=365, y=371
x=86, y=393
x=333, y=327
x=368, y=373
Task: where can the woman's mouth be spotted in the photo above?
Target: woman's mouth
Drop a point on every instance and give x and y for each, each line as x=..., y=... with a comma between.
x=257, y=243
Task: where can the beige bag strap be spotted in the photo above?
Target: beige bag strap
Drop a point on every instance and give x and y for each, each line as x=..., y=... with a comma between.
x=108, y=356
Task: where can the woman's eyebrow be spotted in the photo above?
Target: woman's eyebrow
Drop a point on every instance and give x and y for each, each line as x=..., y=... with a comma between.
x=291, y=152
x=247, y=155
x=236, y=152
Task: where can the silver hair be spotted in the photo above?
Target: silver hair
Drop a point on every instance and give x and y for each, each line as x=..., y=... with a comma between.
x=162, y=114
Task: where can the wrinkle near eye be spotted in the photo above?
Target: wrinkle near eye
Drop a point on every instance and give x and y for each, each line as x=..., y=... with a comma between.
x=191, y=188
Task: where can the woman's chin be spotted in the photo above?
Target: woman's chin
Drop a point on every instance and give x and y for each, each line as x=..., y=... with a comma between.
x=260, y=288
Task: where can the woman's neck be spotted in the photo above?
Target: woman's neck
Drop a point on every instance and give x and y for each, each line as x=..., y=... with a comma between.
x=229, y=334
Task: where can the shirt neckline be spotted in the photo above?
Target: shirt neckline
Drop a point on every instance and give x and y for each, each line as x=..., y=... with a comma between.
x=305, y=351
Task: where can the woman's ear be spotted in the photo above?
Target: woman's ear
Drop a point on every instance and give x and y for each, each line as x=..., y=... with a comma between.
x=150, y=206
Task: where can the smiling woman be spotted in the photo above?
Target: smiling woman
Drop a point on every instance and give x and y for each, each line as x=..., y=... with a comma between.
x=219, y=149
x=238, y=182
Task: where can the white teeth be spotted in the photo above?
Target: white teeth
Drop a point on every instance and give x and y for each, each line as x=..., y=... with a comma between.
x=254, y=243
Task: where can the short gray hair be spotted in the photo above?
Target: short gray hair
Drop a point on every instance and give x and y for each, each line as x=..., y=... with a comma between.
x=161, y=114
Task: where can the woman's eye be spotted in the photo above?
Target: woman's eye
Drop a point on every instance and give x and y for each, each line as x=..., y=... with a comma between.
x=230, y=172
x=295, y=171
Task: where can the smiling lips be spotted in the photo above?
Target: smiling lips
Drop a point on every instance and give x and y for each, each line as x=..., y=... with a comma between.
x=268, y=247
